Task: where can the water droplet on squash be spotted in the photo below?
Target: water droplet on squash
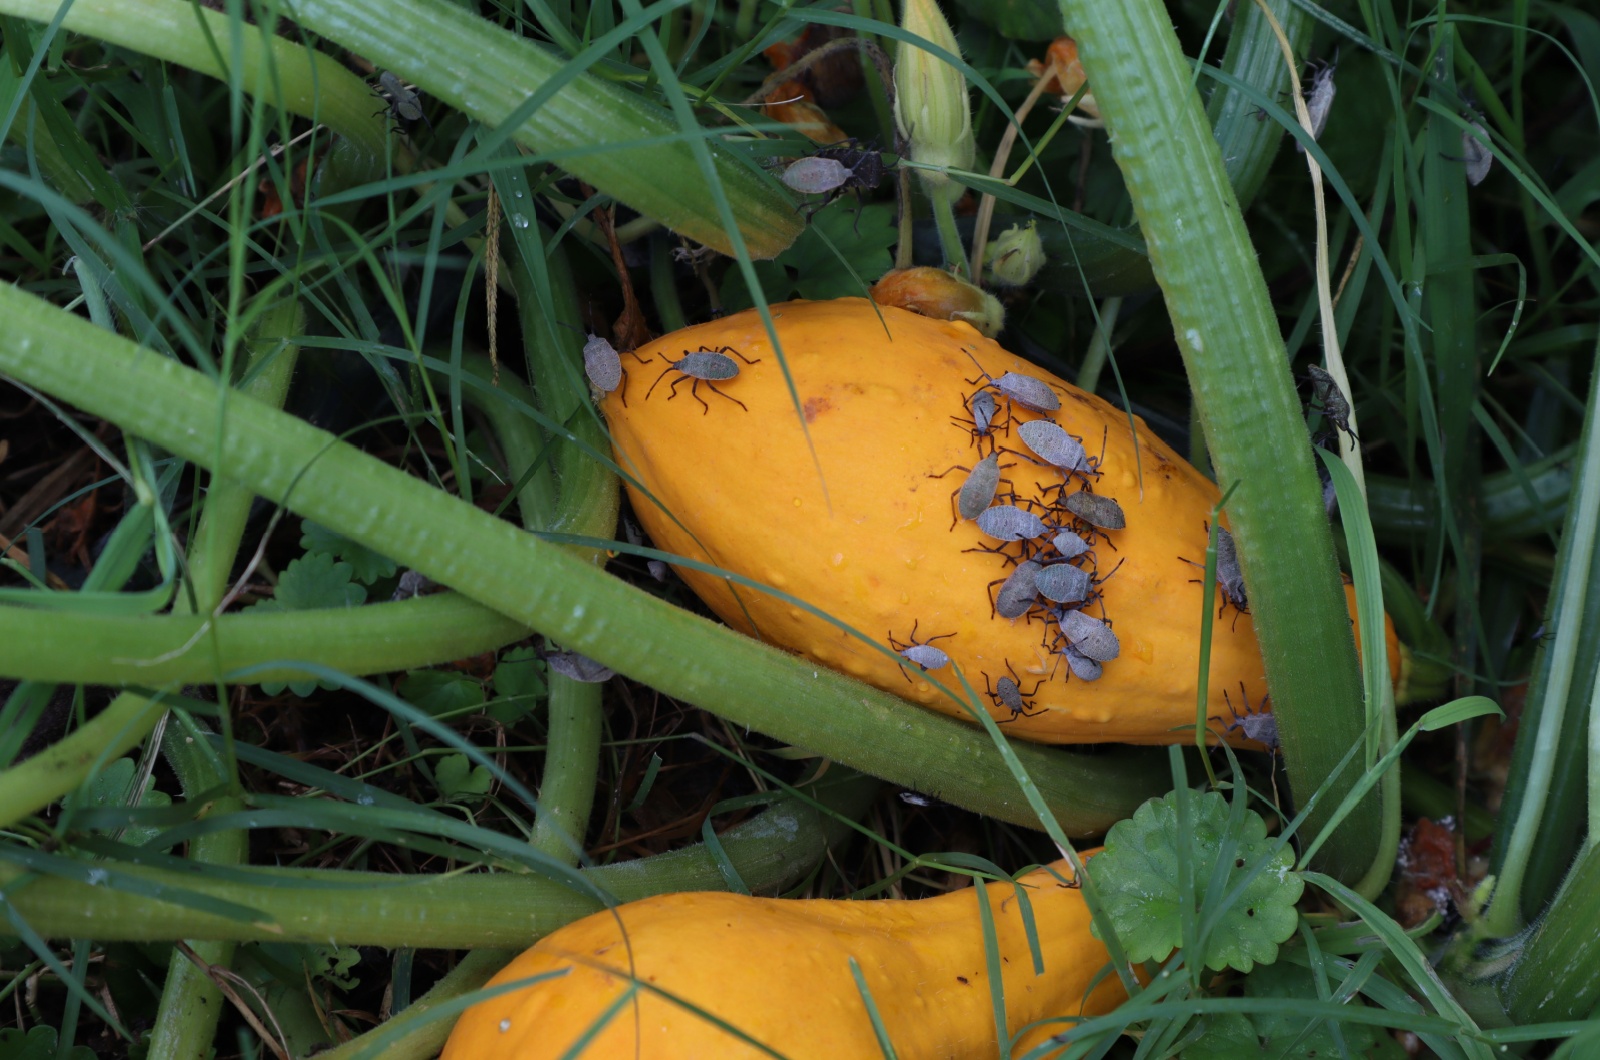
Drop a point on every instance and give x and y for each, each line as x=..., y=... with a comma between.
x=837, y=559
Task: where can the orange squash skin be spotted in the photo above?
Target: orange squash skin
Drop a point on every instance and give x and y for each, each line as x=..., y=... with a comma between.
x=779, y=970
x=870, y=542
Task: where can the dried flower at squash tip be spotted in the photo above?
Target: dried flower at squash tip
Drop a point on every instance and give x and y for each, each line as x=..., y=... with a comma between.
x=1015, y=256
x=931, y=107
x=935, y=293
x=1065, y=75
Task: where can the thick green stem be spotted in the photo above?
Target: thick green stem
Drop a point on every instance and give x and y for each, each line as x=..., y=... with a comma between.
x=1227, y=332
x=191, y=1004
x=1555, y=978
x=546, y=588
x=167, y=651
x=770, y=851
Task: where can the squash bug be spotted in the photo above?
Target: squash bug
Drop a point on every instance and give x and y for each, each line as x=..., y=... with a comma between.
x=1090, y=636
x=983, y=407
x=1319, y=100
x=1230, y=579
x=1329, y=399
x=1070, y=545
x=578, y=667
x=922, y=653
x=1258, y=724
x=1007, y=522
x=403, y=103
x=1007, y=692
x=603, y=365
x=1102, y=512
x=835, y=170
x=1025, y=390
x=976, y=493
x=1082, y=667
x=1475, y=153
x=1062, y=583
x=703, y=366
x=1017, y=592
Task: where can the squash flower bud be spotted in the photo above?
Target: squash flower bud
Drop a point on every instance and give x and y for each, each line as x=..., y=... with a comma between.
x=935, y=293
x=930, y=102
x=1016, y=255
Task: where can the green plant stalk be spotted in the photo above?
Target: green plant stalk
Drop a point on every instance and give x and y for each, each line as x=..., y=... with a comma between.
x=418, y=1033
x=600, y=132
x=1555, y=977
x=590, y=497
x=1254, y=57
x=1561, y=685
x=191, y=1004
x=309, y=83
x=771, y=851
x=1228, y=334
x=545, y=588
x=153, y=652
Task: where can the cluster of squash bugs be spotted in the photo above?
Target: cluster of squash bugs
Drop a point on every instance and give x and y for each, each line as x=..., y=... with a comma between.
x=1046, y=544
x=706, y=366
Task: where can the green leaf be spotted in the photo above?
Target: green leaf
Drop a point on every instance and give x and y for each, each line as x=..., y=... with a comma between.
x=111, y=787
x=441, y=692
x=1137, y=878
x=315, y=581
x=367, y=565
x=519, y=685
x=38, y=1044
x=1018, y=19
x=1280, y=1027
x=1457, y=711
x=460, y=781
x=1223, y=1036
x=833, y=258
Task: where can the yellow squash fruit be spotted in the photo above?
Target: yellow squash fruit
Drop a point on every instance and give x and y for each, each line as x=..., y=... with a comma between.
x=845, y=511
x=779, y=971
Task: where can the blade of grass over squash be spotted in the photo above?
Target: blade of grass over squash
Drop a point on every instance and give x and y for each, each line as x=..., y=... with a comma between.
x=1227, y=332
x=548, y=589
x=598, y=131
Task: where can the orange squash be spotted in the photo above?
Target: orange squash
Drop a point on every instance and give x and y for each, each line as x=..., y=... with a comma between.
x=846, y=512
x=779, y=971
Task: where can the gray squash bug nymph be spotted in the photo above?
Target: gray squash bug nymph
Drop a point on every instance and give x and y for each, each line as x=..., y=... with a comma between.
x=1017, y=592
x=1082, y=667
x=815, y=175
x=603, y=365
x=1025, y=390
x=1098, y=511
x=1329, y=399
x=1475, y=153
x=977, y=491
x=1230, y=579
x=1062, y=583
x=1007, y=692
x=1069, y=544
x=1258, y=724
x=1054, y=446
x=922, y=653
x=403, y=103
x=577, y=667
x=1007, y=522
x=1090, y=636
x=984, y=407
x=703, y=366
x=1319, y=101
